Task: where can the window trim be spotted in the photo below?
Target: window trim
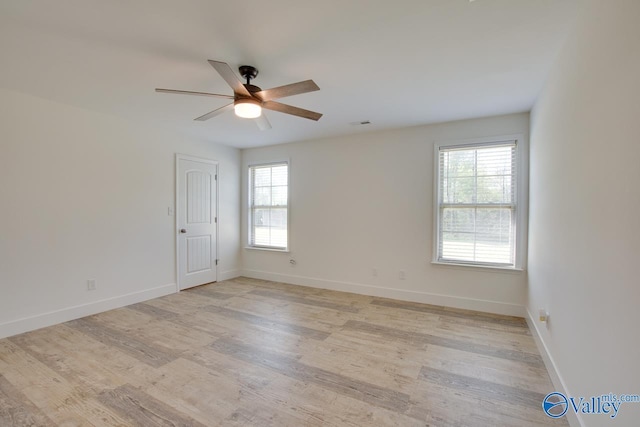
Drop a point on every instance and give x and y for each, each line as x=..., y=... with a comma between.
x=250, y=211
x=522, y=164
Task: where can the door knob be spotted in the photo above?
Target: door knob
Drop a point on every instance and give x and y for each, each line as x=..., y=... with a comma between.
x=183, y=230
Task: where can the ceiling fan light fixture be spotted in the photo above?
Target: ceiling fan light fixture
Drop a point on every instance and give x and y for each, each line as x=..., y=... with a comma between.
x=247, y=108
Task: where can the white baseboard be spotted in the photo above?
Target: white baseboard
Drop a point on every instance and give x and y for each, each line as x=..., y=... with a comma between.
x=399, y=294
x=31, y=323
x=228, y=275
x=556, y=378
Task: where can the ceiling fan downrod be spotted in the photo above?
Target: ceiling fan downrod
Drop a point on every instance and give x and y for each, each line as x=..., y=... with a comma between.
x=248, y=72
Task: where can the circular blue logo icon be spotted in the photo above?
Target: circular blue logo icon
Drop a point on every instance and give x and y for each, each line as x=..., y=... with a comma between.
x=555, y=404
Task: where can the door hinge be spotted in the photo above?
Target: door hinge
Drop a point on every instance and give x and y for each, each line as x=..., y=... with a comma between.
x=216, y=177
x=216, y=262
x=216, y=220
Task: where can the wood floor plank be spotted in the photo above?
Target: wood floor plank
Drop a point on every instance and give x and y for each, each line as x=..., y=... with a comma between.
x=65, y=403
x=487, y=389
x=233, y=287
x=113, y=366
x=370, y=393
x=156, y=312
x=451, y=312
x=204, y=394
x=343, y=298
x=153, y=356
x=320, y=406
x=415, y=337
x=384, y=363
x=267, y=323
x=416, y=321
x=275, y=341
x=196, y=318
x=302, y=315
x=171, y=335
x=244, y=374
x=140, y=409
x=183, y=303
x=266, y=284
x=474, y=323
x=256, y=305
x=288, y=400
x=440, y=405
x=304, y=300
x=259, y=414
x=16, y=410
x=209, y=292
x=409, y=321
x=502, y=371
x=356, y=300
x=501, y=339
x=57, y=349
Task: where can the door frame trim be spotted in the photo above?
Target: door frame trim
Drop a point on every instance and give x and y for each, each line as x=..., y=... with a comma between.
x=179, y=157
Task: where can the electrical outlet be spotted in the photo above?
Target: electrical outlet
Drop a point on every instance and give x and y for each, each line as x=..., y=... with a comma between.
x=543, y=315
x=91, y=284
x=402, y=275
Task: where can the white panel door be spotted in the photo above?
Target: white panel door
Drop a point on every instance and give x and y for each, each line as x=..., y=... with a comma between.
x=196, y=221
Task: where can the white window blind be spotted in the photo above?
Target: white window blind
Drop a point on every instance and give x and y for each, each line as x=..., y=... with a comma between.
x=269, y=206
x=477, y=204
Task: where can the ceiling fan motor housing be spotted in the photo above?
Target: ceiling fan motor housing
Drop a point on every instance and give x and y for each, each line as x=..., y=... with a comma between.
x=248, y=72
x=252, y=88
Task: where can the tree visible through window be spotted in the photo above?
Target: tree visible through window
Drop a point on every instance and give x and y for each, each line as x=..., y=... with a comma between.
x=477, y=204
x=269, y=205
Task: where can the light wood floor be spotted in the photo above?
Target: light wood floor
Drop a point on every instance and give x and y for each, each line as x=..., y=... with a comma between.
x=248, y=352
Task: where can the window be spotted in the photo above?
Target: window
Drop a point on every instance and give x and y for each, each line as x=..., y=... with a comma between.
x=477, y=203
x=269, y=206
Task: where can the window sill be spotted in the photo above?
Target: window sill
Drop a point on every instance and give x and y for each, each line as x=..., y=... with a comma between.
x=457, y=265
x=255, y=248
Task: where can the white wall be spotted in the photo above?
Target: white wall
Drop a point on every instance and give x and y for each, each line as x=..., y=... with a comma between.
x=85, y=196
x=366, y=201
x=585, y=207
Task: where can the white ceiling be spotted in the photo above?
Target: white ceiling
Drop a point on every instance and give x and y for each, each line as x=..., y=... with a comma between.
x=396, y=63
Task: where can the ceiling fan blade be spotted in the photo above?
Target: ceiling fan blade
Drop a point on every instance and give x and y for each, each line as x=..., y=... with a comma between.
x=289, y=109
x=262, y=122
x=215, y=113
x=186, y=92
x=230, y=77
x=287, y=90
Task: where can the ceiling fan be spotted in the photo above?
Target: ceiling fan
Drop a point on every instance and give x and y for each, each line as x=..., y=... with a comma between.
x=249, y=100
